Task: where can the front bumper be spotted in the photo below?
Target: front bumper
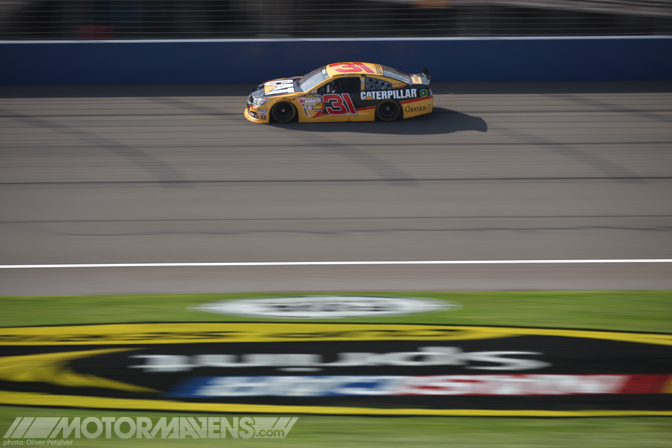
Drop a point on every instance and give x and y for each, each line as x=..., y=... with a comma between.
x=254, y=116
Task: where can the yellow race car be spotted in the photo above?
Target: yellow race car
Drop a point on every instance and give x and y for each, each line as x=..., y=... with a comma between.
x=344, y=91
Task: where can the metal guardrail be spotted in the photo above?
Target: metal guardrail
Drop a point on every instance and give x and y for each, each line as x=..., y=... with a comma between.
x=212, y=19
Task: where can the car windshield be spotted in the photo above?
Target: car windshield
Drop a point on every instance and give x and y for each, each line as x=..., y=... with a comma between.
x=312, y=79
x=396, y=74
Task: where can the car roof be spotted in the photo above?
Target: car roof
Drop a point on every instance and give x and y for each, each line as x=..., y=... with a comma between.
x=354, y=68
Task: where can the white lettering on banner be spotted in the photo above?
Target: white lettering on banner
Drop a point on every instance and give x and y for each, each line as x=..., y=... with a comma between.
x=425, y=356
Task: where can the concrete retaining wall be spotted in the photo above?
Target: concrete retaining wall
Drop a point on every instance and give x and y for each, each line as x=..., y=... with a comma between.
x=235, y=61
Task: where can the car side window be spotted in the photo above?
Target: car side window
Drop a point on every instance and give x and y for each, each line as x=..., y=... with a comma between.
x=342, y=85
x=377, y=84
x=327, y=88
x=347, y=85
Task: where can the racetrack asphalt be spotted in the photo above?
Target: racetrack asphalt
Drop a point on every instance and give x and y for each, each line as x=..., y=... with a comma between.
x=170, y=174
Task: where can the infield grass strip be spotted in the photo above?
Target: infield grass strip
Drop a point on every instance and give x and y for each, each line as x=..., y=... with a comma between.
x=310, y=431
x=646, y=311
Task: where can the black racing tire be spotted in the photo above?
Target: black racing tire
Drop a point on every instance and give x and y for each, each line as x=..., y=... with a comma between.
x=388, y=110
x=283, y=112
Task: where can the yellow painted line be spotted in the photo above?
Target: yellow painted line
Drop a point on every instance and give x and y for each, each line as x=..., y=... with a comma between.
x=222, y=332
x=195, y=332
x=72, y=401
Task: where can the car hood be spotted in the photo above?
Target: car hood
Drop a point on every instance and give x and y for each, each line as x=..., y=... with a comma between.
x=276, y=87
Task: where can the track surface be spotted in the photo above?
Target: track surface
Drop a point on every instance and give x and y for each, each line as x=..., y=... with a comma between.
x=176, y=174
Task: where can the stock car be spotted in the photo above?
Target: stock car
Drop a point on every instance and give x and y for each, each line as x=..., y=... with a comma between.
x=344, y=91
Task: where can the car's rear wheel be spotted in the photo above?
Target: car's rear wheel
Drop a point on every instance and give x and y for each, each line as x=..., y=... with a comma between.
x=388, y=110
x=283, y=112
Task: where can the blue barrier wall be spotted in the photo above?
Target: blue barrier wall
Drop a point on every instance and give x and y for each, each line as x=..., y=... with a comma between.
x=234, y=61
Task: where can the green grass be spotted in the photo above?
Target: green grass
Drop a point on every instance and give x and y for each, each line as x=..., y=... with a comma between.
x=375, y=432
x=404, y=432
x=612, y=310
x=622, y=310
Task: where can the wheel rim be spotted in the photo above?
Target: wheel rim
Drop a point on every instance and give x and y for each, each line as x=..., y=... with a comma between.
x=283, y=112
x=388, y=111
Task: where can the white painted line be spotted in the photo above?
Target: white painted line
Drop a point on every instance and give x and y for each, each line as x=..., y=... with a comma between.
x=325, y=263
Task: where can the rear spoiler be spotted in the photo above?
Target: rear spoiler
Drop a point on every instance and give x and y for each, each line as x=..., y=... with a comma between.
x=427, y=74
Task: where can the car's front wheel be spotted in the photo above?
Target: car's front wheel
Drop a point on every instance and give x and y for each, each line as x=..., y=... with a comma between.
x=283, y=112
x=388, y=110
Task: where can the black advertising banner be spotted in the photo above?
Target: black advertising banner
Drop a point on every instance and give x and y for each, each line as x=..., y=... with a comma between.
x=366, y=369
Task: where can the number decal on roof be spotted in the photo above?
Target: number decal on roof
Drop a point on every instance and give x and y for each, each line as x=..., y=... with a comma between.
x=352, y=67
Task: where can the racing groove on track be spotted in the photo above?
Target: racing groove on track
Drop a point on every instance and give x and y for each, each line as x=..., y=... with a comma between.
x=177, y=175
